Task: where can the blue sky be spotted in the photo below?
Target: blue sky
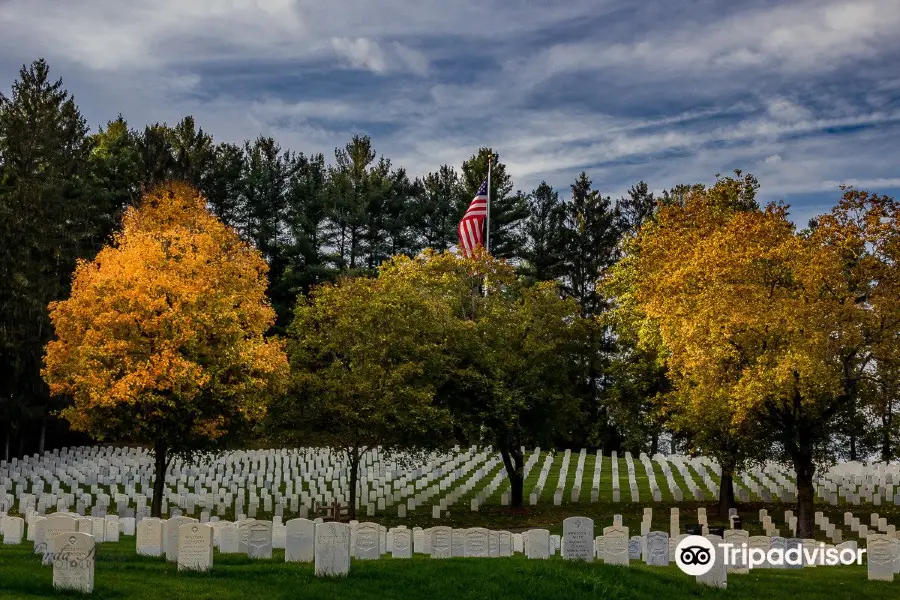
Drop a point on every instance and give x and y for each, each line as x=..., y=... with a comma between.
x=803, y=94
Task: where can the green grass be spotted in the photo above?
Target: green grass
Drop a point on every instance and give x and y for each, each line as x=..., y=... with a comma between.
x=121, y=574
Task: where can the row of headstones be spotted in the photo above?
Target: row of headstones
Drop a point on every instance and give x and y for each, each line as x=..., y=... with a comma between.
x=141, y=500
x=320, y=498
x=365, y=498
x=771, y=478
x=331, y=545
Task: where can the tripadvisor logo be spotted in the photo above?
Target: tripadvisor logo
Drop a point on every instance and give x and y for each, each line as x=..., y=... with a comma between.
x=696, y=555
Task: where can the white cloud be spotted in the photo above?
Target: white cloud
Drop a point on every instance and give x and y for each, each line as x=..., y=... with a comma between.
x=160, y=60
x=361, y=53
x=365, y=53
x=796, y=38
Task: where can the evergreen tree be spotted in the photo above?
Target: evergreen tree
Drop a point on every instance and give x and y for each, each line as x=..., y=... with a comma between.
x=156, y=158
x=193, y=152
x=222, y=185
x=400, y=218
x=637, y=207
x=48, y=219
x=263, y=209
x=115, y=173
x=438, y=207
x=305, y=223
x=349, y=200
x=543, y=228
x=588, y=243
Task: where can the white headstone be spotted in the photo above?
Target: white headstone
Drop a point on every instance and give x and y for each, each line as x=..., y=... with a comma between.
x=879, y=557
x=195, y=547
x=259, y=540
x=441, y=542
x=656, y=549
x=54, y=526
x=738, y=538
x=615, y=545
x=717, y=576
x=578, y=539
x=13, y=530
x=402, y=547
x=332, y=549
x=537, y=544
x=367, y=542
x=73, y=562
x=229, y=539
x=300, y=538
x=477, y=542
x=150, y=537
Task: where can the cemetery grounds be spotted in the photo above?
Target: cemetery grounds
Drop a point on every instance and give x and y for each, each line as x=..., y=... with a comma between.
x=462, y=489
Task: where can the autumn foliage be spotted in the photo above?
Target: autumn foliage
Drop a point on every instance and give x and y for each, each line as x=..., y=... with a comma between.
x=767, y=331
x=162, y=340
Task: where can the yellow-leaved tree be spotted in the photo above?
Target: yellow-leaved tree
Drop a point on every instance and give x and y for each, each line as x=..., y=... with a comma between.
x=162, y=340
x=769, y=327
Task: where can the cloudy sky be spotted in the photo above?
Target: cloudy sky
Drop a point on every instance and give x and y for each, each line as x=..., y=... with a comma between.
x=803, y=94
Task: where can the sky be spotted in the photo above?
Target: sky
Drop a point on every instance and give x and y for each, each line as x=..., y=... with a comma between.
x=803, y=94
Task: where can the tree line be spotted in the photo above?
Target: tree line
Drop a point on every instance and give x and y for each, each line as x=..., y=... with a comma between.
x=63, y=191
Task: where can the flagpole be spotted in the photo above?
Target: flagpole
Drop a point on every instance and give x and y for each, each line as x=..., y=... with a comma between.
x=487, y=235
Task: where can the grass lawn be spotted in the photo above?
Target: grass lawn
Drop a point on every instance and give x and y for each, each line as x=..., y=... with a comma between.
x=121, y=574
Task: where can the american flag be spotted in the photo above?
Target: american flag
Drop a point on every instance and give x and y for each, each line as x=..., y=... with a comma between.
x=471, y=228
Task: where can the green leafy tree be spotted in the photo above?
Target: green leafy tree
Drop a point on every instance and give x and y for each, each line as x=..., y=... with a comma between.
x=511, y=380
x=367, y=357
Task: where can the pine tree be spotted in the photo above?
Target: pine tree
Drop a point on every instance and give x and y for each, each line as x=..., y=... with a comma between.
x=48, y=219
x=438, y=206
x=223, y=183
x=193, y=152
x=543, y=228
x=349, y=200
x=263, y=208
x=588, y=243
x=588, y=246
x=637, y=207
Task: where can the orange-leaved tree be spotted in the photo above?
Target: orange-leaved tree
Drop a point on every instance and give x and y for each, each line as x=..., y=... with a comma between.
x=162, y=339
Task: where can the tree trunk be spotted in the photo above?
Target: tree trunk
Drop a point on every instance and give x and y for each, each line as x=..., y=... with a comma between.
x=6, y=449
x=654, y=443
x=726, y=492
x=887, y=425
x=354, y=477
x=159, y=480
x=515, y=468
x=805, y=469
x=43, y=437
